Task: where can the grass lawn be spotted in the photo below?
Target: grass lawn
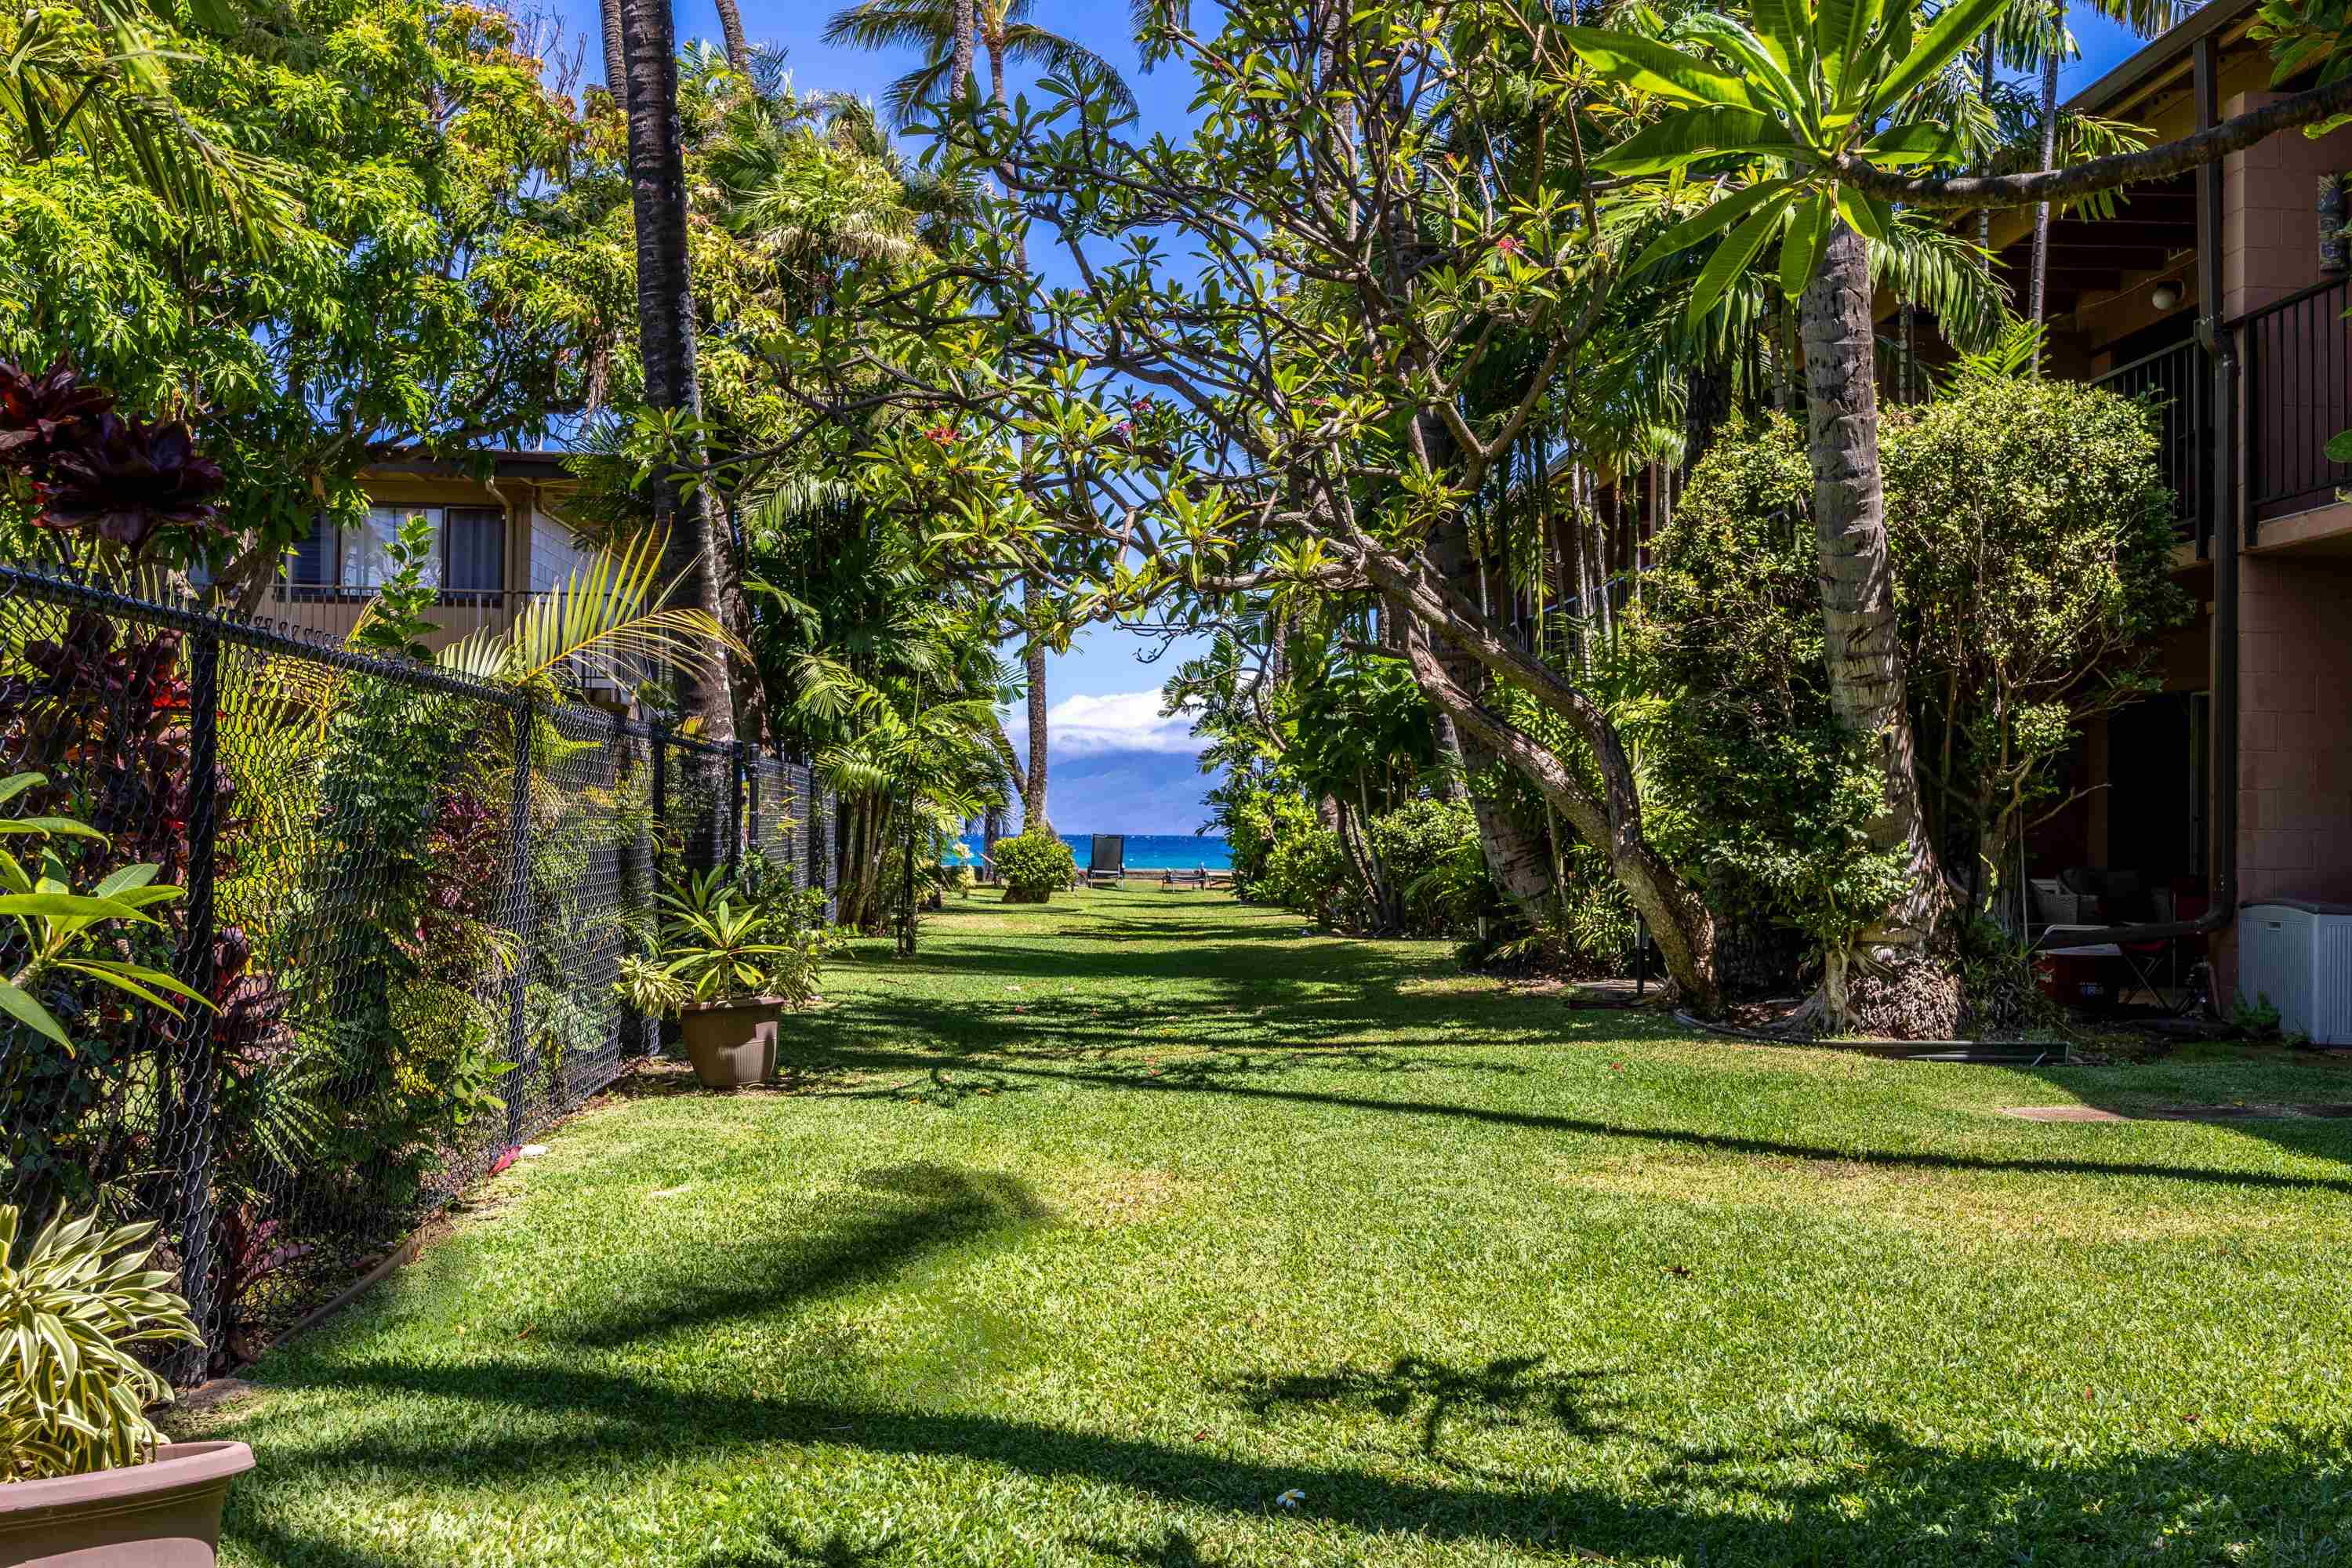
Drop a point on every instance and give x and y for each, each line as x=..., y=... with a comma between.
x=1089, y=1235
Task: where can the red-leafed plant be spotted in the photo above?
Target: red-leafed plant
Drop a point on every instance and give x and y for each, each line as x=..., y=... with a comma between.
x=131, y=489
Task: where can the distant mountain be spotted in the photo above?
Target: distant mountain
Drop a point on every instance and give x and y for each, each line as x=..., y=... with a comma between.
x=1128, y=792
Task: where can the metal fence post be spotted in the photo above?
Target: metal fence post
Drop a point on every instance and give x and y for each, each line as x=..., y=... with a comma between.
x=751, y=805
x=193, y=1215
x=738, y=752
x=659, y=737
x=518, y=900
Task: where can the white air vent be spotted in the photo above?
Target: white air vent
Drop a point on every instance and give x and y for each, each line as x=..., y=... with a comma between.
x=2298, y=958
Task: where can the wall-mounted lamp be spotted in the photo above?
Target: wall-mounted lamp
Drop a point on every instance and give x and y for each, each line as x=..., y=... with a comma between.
x=2167, y=295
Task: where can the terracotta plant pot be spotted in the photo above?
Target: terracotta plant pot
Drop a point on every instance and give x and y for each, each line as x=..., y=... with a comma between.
x=732, y=1044
x=1028, y=895
x=165, y=1514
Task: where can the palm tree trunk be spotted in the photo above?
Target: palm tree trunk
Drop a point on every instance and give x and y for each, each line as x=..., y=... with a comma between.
x=616, y=70
x=959, y=78
x=730, y=25
x=1033, y=788
x=2037, y=292
x=1863, y=655
x=666, y=334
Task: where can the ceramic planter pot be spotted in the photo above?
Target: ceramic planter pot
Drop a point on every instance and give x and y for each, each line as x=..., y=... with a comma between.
x=165, y=1514
x=732, y=1044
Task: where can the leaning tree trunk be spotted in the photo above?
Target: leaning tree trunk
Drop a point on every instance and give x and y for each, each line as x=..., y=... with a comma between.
x=1896, y=988
x=666, y=334
x=731, y=26
x=1514, y=849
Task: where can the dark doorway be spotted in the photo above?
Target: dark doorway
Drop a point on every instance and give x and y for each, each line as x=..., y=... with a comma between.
x=2156, y=799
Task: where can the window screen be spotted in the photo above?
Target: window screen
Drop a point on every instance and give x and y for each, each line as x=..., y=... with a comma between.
x=475, y=550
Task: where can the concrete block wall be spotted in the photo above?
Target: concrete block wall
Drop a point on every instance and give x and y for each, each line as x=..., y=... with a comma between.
x=2295, y=738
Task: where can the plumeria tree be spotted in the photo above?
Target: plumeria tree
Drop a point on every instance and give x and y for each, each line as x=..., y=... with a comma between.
x=1397, y=277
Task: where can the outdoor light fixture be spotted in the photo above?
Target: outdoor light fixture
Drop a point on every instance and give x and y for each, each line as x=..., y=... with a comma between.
x=2167, y=295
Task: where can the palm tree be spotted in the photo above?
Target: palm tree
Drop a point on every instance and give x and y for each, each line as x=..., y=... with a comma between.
x=2145, y=18
x=731, y=28
x=665, y=335
x=945, y=31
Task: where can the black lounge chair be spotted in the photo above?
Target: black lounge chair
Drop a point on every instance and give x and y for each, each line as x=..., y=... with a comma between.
x=1107, y=858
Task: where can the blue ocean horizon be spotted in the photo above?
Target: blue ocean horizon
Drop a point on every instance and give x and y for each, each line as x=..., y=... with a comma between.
x=1149, y=851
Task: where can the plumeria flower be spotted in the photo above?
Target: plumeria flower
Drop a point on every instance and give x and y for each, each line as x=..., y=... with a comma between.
x=1290, y=1500
x=1125, y=427
x=1509, y=246
x=943, y=434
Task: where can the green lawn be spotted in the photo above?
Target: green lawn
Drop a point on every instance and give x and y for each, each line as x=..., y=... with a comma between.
x=1090, y=1234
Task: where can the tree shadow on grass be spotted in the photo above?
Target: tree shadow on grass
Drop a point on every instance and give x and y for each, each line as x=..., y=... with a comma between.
x=1845, y=1492
x=1173, y=1549
x=903, y=1213
x=1139, y=1078
x=1507, y=1391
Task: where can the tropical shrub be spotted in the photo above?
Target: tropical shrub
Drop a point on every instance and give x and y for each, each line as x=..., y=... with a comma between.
x=1429, y=851
x=1306, y=871
x=2029, y=532
x=1035, y=865
x=1254, y=820
x=74, y=1302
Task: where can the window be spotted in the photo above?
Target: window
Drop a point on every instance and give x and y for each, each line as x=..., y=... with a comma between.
x=314, y=556
x=366, y=563
x=474, y=549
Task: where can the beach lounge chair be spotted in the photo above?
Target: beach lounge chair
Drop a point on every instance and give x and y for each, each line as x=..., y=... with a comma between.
x=1107, y=860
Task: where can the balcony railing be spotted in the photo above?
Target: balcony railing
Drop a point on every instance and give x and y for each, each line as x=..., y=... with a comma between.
x=2178, y=384
x=331, y=610
x=2298, y=380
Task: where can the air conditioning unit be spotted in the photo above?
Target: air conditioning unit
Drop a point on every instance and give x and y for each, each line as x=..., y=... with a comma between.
x=2298, y=958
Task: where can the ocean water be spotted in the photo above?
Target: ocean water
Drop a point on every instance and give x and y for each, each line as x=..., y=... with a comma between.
x=1149, y=851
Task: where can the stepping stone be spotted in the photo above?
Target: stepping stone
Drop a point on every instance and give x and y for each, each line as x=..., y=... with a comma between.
x=2059, y=1113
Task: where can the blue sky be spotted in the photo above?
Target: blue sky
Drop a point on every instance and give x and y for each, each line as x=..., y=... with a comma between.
x=1127, y=770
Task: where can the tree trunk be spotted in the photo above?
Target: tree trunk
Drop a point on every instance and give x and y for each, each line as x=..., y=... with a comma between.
x=960, y=73
x=1864, y=653
x=616, y=70
x=1033, y=788
x=730, y=26
x=666, y=334
x=2038, y=289
x=1514, y=850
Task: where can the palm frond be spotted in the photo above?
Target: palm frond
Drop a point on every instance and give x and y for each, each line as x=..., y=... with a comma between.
x=610, y=618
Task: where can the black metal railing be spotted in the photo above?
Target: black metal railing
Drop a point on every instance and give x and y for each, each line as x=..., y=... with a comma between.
x=2298, y=392
x=407, y=894
x=2178, y=384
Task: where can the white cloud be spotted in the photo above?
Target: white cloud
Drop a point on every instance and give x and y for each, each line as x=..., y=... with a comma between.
x=1091, y=726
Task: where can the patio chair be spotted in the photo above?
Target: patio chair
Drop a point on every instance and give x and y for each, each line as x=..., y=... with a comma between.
x=1107, y=858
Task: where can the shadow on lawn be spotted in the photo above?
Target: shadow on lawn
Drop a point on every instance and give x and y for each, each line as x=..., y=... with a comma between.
x=902, y=1214
x=2325, y=1139
x=1833, y=1492
x=1506, y=1391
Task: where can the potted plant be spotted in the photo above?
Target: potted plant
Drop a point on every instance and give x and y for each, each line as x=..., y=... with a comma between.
x=724, y=966
x=88, y=1479
x=1035, y=866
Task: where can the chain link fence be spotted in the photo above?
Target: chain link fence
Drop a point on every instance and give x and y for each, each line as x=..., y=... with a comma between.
x=405, y=894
